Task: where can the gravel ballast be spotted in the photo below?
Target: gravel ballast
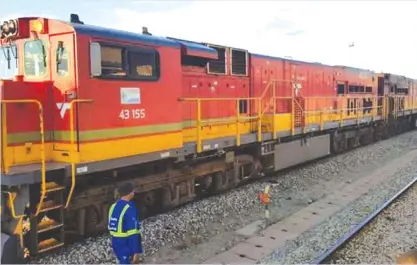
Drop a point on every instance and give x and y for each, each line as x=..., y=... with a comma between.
x=197, y=231
x=392, y=233
x=307, y=247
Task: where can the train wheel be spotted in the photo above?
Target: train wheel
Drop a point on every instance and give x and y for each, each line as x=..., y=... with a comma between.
x=171, y=199
x=91, y=221
x=255, y=169
x=147, y=202
x=219, y=181
x=336, y=146
x=377, y=133
x=208, y=183
x=166, y=198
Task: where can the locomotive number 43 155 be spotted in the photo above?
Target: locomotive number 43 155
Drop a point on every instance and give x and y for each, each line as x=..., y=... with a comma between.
x=135, y=114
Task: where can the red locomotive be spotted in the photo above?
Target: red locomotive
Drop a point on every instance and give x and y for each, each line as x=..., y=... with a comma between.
x=85, y=108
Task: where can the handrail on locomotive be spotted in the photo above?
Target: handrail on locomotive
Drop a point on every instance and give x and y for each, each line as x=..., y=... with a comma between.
x=341, y=101
x=341, y=112
x=42, y=135
x=73, y=162
x=6, y=165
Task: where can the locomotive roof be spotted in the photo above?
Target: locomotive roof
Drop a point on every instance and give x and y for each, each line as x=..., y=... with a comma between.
x=311, y=63
x=283, y=58
x=122, y=35
x=102, y=32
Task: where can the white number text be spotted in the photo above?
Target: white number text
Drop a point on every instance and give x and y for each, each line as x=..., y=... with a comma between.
x=135, y=114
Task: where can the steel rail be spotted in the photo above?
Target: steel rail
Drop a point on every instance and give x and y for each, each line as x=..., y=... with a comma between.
x=351, y=234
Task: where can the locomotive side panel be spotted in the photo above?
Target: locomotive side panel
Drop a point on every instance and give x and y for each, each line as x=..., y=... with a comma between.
x=306, y=87
x=267, y=69
x=316, y=92
x=222, y=96
x=135, y=108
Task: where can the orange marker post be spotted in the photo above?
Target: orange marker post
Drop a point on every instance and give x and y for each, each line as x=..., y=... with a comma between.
x=265, y=199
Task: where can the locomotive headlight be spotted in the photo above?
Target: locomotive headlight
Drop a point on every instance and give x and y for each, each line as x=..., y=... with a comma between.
x=9, y=28
x=12, y=27
x=36, y=26
x=5, y=28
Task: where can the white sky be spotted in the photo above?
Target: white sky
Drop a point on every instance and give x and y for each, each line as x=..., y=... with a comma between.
x=384, y=32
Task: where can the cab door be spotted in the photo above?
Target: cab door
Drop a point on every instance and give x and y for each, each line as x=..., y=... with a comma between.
x=64, y=89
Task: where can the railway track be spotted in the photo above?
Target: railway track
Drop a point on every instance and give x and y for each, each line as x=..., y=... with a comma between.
x=334, y=253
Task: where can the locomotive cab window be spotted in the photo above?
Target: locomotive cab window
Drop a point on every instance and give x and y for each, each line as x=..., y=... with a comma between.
x=239, y=62
x=62, y=59
x=112, y=61
x=143, y=64
x=35, y=58
x=124, y=62
x=218, y=66
x=8, y=62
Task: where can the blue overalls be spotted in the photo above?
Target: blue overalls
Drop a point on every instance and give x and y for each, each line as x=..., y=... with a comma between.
x=124, y=227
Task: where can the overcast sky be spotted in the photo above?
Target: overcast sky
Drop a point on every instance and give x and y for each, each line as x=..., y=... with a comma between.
x=384, y=33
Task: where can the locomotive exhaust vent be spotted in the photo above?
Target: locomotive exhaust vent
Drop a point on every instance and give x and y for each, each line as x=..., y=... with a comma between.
x=75, y=19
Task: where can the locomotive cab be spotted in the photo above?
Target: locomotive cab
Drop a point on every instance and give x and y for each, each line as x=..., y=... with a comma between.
x=37, y=77
x=37, y=72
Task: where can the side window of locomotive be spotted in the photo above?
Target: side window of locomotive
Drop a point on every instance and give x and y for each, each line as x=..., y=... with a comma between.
x=61, y=59
x=340, y=89
x=143, y=64
x=243, y=106
x=112, y=62
x=35, y=58
x=8, y=62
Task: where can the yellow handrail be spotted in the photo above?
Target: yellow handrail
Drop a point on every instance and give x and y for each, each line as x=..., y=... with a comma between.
x=4, y=139
x=274, y=107
x=72, y=115
x=12, y=208
x=292, y=112
x=237, y=123
x=41, y=125
x=259, y=132
x=73, y=178
x=15, y=216
x=199, y=126
x=260, y=111
x=357, y=110
x=218, y=99
x=237, y=119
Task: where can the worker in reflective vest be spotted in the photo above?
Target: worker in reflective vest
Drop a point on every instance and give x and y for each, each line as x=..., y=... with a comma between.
x=124, y=226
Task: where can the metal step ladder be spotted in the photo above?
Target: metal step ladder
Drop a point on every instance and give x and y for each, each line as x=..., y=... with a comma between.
x=47, y=228
x=299, y=119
